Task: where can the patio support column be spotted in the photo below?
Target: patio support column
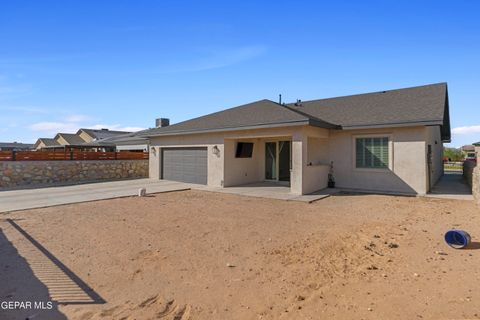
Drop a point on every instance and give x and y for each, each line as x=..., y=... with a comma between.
x=154, y=164
x=299, y=158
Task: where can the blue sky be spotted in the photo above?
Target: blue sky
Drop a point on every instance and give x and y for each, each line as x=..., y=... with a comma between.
x=121, y=64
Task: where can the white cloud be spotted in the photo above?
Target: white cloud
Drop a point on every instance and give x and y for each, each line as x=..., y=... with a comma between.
x=466, y=130
x=115, y=127
x=55, y=127
x=75, y=122
x=77, y=118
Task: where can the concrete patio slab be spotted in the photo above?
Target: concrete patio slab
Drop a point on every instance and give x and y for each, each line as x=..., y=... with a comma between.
x=270, y=190
x=451, y=185
x=14, y=200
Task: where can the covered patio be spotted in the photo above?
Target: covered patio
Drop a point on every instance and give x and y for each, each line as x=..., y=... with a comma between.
x=294, y=160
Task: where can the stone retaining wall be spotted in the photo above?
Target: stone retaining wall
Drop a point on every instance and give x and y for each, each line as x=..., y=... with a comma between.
x=17, y=174
x=468, y=167
x=476, y=184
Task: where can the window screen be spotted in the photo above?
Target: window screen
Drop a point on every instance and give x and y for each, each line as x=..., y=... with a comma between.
x=372, y=152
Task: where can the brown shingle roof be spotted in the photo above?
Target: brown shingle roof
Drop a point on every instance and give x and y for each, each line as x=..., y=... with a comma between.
x=400, y=106
x=423, y=105
x=263, y=113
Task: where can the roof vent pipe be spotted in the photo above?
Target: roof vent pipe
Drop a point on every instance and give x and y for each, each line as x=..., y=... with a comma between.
x=279, y=99
x=298, y=103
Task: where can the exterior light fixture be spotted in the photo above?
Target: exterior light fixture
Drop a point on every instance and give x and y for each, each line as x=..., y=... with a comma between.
x=215, y=150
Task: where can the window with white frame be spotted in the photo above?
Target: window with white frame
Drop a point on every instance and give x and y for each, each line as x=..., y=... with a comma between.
x=371, y=152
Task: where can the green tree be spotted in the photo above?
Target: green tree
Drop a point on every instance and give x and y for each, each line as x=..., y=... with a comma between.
x=453, y=154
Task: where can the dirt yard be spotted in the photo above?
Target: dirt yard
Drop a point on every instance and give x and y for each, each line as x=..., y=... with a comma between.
x=200, y=255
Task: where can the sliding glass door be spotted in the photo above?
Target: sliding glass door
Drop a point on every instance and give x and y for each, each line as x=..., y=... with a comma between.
x=284, y=160
x=277, y=160
x=271, y=161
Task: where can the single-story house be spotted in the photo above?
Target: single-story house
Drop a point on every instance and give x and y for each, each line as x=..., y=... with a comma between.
x=79, y=140
x=89, y=135
x=128, y=142
x=469, y=151
x=66, y=139
x=387, y=141
x=15, y=146
x=45, y=142
x=467, y=148
x=477, y=149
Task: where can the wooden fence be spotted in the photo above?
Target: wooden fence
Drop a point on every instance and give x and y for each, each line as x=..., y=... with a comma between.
x=70, y=155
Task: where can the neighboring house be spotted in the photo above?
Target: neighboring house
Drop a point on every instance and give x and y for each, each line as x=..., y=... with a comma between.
x=81, y=140
x=469, y=152
x=45, y=142
x=89, y=135
x=477, y=150
x=128, y=142
x=388, y=141
x=66, y=139
x=15, y=146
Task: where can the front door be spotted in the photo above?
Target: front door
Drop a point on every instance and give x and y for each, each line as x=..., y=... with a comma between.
x=277, y=161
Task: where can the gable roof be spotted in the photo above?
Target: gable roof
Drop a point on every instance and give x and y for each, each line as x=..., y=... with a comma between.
x=422, y=105
x=99, y=134
x=71, y=138
x=263, y=113
x=122, y=139
x=468, y=147
x=47, y=142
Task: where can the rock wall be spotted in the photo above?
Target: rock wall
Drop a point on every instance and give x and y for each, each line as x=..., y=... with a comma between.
x=18, y=174
x=468, y=167
x=476, y=184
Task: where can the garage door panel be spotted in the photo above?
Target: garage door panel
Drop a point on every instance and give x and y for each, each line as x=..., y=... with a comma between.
x=185, y=165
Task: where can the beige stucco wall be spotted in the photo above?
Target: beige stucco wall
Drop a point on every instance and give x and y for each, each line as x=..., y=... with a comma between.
x=62, y=141
x=85, y=136
x=39, y=145
x=407, y=169
x=312, y=151
x=240, y=171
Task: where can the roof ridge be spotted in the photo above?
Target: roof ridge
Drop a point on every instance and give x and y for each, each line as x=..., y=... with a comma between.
x=309, y=116
x=213, y=113
x=373, y=92
x=74, y=134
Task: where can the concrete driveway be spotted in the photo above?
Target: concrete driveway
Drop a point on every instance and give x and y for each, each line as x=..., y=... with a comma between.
x=46, y=197
x=15, y=200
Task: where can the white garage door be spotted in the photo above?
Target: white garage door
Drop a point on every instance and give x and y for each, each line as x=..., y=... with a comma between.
x=185, y=165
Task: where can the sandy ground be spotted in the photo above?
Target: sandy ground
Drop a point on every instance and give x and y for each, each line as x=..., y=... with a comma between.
x=203, y=255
